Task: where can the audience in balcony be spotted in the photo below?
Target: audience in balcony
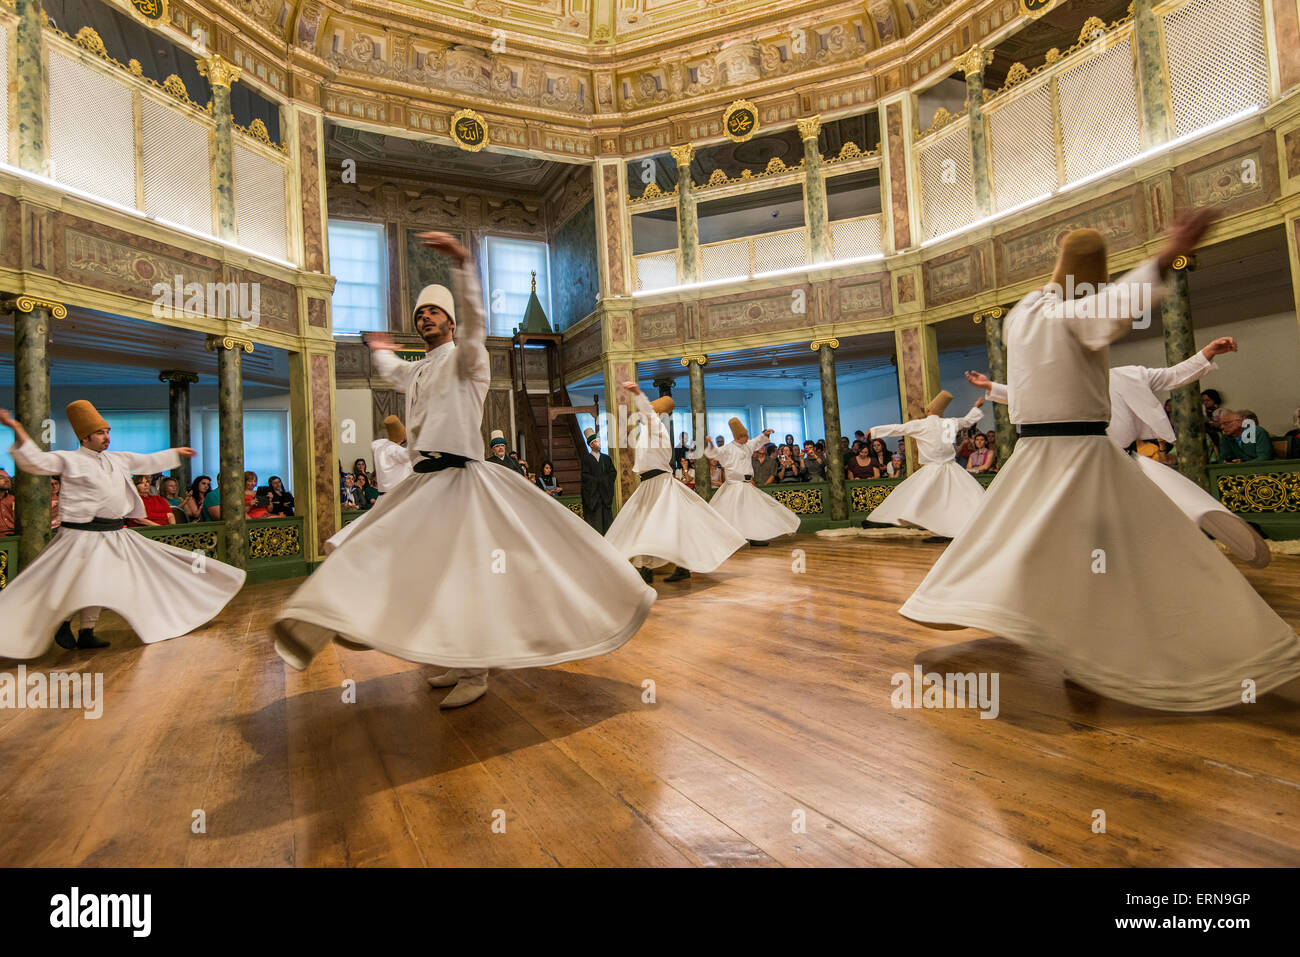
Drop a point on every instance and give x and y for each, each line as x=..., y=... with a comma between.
x=980, y=459
x=879, y=454
x=546, y=480
x=764, y=463
x=1243, y=438
x=281, y=498
x=787, y=469
x=156, y=509
x=862, y=465
x=350, y=497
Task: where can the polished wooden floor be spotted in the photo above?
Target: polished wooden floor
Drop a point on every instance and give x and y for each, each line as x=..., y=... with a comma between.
x=772, y=704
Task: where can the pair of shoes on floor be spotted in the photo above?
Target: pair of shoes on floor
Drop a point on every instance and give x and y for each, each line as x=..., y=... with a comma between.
x=85, y=639
x=680, y=575
x=647, y=575
x=463, y=691
x=757, y=544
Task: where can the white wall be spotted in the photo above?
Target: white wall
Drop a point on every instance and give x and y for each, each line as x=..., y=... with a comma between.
x=1263, y=376
x=355, y=405
x=865, y=400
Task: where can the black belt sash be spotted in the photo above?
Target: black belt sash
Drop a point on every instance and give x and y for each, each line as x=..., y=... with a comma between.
x=1040, y=429
x=646, y=476
x=437, y=461
x=748, y=478
x=96, y=525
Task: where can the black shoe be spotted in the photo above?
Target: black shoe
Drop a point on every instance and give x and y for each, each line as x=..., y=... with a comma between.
x=64, y=636
x=680, y=575
x=86, y=639
x=647, y=576
x=936, y=540
x=754, y=544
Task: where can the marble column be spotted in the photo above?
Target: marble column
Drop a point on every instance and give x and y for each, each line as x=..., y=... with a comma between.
x=814, y=191
x=699, y=424
x=1156, y=126
x=230, y=417
x=612, y=228
x=838, y=506
x=997, y=358
x=688, y=228
x=31, y=94
x=1180, y=343
x=619, y=413
x=221, y=73
x=178, y=417
x=32, y=318
x=918, y=376
x=972, y=62
x=900, y=216
x=315, y=480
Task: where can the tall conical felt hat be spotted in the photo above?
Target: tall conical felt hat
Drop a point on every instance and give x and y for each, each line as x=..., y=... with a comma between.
x=738, y=430
x=498, y=438
x=1082, y=259
x=435, y=295
x=663, y=404
x=396, y=431
x=590, y=435
x=939, y=403
x=84, y=418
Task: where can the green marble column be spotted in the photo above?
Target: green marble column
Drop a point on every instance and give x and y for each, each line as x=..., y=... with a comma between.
x=29, y=58
x=178, y=417
x=814, y=191
x=1150, y=74
x=221, y=74
x=973, y=62
x=699, y=425
x=838, y=506
x=1180, y=343
x=688, y=228
x=230, y=418
x=32, y=408
x=997, y=355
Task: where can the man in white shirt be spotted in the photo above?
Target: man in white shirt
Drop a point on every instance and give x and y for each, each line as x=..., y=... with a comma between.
x=756, y=515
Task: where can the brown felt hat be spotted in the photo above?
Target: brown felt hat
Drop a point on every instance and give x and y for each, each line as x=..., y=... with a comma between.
x=663, y=404
x=396, y=431
x=1081, y=260
x=939, y=403
x=84, y=418
x=738, y=430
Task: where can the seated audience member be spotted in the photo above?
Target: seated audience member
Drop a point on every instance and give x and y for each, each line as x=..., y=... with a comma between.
x=260, y=505
x=547, y=481
x=170, y=489
x=845, y=448
x=764, y=464
x=250, y=491
x=814, y=462
x=991, y=437
x=367, y=494
x=524, y=471
x=281, y=498
x=359, y=469
x=862, y=465
x=349, y=497
x=1211, y=405
x=195, y=497
x=6, y=504
x=681, y=453
x=787, y=469
x=1243, y=439
x=212, y=505
x=879, y=454
x=895, y=468
x=56, y=485
x=156, y=509
x=981, y=457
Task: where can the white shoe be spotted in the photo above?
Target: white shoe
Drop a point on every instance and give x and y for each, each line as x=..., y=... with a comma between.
x=447, y=679
x=465, y=692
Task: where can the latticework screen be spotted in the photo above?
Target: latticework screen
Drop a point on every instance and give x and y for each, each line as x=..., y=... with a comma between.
x=92, y=131
x=779, y=251
x=947, y=193
x=724, y=260
x=853, y=238
x=177, y=179
x=4, y=93
x=1099, y=112
x=656, y=271
x=1218, y=61
x=1022, y=140
x=260, y=202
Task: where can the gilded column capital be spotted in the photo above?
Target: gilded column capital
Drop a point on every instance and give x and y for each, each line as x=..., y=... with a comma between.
x=29, y=303
x=974, y=60
x=177, y=375
x=219, y=71
x=995, y=313
x=816, y=344
x=682, y=154
x=214, y=343
x=809, y=127
x=1183, y=262
x=699, y=360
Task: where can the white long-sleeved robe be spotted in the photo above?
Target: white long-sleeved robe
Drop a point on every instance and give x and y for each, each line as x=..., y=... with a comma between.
x=392, y=467
x=1075, y=554
x=1136, y=412
x=161, y=591
x=756, y=515
x=941, y=495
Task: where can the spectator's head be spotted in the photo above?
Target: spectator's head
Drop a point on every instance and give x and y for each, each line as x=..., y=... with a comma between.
x=991, y=437
x=981, y=441
x=844, y=443
x=821, y=445
x=859, y=434
x=786, y=457
x=1169, y=408
x=200, y=487
x=349, y=480
x=171, y=488
x=858, y=446
x=142, y=485
x=548, y=469
x=523, y=464
x=771, y=448
x=808, y=446
x=359, y=467
x=760, y=453
x=56, y=484
x=1210, y=400
x=1233, y=422
x=498, y=444
x=6, y=483
x=789, y=440
x=275, y=484
x=897, y=459
x=363, y=481
x=879, y=449
x=250, y=481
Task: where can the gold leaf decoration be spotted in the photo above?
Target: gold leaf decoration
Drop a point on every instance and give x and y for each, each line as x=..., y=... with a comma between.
x=88, y=39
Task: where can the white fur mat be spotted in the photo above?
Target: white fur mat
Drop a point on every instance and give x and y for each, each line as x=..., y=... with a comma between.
x=914, y=533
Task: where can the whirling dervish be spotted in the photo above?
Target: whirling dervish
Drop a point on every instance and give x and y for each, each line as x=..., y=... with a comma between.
x=756, y=515
x=1136, y=413
x=940, y=496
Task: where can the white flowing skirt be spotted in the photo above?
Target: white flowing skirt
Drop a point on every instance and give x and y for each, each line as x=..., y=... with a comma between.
x=940, y=497
x=665, y=522
x=1208, y=512
x=160, y=590
x=1077, y=556
x=342, y=535
x=756, y=515
x=468, y=568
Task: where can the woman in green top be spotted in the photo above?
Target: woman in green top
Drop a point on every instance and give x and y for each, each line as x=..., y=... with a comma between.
x=367, y=494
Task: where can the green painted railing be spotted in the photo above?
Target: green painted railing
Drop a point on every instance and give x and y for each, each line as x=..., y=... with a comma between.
x=1266, y=494
x=811, y=500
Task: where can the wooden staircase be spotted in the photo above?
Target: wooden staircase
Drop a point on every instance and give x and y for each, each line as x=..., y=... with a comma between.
x=547, y=421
